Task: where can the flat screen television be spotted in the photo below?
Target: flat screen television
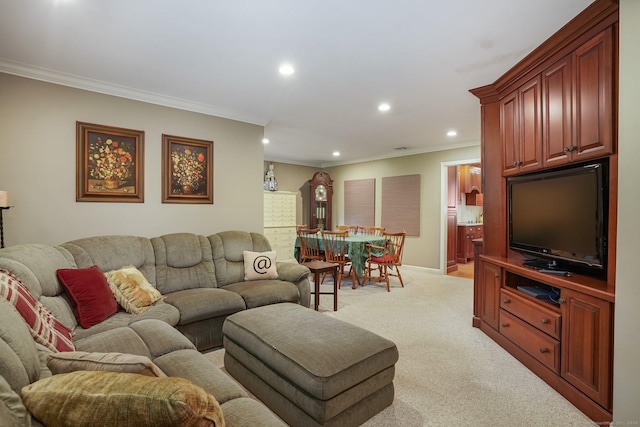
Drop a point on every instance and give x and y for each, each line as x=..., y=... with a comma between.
x=560, y=217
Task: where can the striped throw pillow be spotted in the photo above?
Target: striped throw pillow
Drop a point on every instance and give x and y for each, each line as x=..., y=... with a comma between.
x=45, y=328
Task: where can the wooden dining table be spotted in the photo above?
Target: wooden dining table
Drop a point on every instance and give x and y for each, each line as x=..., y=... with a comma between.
x=356, y=249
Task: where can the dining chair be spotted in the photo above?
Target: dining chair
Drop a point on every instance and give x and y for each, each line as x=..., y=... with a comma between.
x=372, y=231
x=301, y=226
x=386, y=258
x=309, y=245
x=335, y=251
x=352, y=229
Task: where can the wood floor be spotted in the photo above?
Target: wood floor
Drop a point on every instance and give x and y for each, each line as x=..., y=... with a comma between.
x=464, y=270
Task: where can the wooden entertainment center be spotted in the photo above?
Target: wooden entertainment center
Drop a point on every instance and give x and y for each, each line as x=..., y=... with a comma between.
x=556, y=107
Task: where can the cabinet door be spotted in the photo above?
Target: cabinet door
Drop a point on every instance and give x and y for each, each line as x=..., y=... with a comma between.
x=592, y=79
x=587, y=345
x=521, y=129
x=489, y=294
x=530, y=126
x=461, y=244
x=510, y=133
x=557, y=132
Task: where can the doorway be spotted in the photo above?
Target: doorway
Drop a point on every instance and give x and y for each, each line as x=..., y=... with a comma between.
x=461, y=214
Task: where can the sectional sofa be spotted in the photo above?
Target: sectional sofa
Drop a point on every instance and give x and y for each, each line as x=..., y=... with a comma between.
x=201, y=281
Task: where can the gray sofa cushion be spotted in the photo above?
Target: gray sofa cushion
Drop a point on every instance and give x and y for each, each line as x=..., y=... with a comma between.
x=19, y=361
x=245, y=411
x=183, y=261
x=160, y=311
x=12, y=411
x=35, y=265
x=200, y=304
x=257, y=293
x=113, y=252
x=228, y=249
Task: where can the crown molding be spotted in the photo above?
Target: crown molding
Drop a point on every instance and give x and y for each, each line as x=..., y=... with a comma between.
x=404, y=153
x=91, y=85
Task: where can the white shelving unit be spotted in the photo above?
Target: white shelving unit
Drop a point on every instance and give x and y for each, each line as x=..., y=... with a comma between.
x=280, y=222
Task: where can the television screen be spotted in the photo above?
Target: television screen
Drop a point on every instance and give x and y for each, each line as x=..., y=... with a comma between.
x=560, y=215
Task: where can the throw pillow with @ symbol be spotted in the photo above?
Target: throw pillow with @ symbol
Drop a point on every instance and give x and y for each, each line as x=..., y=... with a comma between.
x=260, y=265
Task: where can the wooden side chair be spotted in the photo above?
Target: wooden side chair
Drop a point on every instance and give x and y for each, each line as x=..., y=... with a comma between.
x=309, y=245
x=352, y=229
x=371, y=231
x=386, y=259
x=335, y=251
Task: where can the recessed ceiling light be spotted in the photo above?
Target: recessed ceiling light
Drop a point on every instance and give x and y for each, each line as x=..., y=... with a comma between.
x=384, y=107
x=265, y=141
x=286, y=69
x=452, y=133
x=336, y=153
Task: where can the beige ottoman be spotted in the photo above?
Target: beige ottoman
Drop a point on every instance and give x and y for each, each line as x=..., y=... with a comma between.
x=310, y=369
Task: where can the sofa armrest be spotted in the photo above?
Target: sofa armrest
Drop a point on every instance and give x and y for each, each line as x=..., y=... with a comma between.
x=299, y=276
x=292, y=271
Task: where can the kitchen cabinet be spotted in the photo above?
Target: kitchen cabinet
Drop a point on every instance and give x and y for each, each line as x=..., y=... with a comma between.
x=466, y=234
x=470, y=178
x=452, y=218
x=470, y=184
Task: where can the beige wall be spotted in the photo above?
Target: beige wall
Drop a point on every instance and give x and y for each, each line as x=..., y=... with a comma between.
x=423, y=250
x=294, y=178
x=626, y=384
x=37, y=166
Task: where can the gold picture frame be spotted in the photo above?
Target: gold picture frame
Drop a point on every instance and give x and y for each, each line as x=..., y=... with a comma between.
x=109, y=164
x=187, y=170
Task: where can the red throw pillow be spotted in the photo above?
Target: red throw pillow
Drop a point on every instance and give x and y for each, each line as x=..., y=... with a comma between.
x=89, y=290
x=44, y=327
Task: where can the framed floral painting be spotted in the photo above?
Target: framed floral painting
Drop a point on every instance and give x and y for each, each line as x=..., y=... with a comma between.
x=187, y=171
x=109, y=164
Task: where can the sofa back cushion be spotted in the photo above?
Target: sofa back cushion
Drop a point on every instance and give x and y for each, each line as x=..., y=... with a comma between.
x=112, y=252
x=35, y=265
x=183, y=261
x=228, y=253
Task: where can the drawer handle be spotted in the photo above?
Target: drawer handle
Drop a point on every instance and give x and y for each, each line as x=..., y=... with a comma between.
x=544, y=321
x=506, y=301
x=544, y=350
x=505, y=325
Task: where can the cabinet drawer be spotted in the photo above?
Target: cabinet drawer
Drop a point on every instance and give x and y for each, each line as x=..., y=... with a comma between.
x=542, y=318
x=539, y=345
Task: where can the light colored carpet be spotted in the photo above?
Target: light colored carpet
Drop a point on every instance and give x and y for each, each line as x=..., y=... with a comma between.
x=449, y=373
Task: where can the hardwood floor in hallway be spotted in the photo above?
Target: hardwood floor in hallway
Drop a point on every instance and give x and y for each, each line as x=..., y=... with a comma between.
x=464, y=270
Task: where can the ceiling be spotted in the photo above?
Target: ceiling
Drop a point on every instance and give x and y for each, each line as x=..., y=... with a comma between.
x=222, y=58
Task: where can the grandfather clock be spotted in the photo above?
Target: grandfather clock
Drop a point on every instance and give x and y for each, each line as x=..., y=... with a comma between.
x=321, y=192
